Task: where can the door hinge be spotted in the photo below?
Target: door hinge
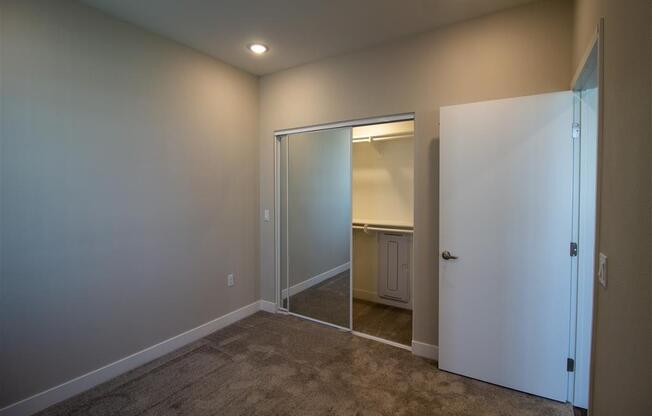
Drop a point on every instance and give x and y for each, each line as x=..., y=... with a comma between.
x=570, y=365
x=577, y=128
x=573, y=249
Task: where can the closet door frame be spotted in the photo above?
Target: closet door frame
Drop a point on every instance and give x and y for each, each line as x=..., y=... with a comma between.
x=279, y=136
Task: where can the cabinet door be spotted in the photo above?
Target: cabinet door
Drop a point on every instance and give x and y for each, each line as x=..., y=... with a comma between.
x=394, y=266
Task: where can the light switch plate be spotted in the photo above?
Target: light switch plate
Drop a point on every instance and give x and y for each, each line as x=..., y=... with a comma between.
x=266, y=215
x=602, y=270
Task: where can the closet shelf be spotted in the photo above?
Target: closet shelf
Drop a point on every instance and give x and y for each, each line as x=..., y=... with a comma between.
x=385, y=226
x=383, y=137
x=383, y=223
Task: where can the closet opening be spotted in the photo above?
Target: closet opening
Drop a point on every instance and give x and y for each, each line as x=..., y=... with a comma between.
x=382, y=168
x=344, y=223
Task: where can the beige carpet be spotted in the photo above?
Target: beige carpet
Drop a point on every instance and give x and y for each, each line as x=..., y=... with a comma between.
x=383, y=321
x=280, y=365
x=329, y=301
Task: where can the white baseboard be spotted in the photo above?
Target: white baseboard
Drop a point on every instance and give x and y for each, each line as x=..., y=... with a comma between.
x=425, y=350
x=93, y=378
x=315, y=280
x=267, y=306
x=373, y=297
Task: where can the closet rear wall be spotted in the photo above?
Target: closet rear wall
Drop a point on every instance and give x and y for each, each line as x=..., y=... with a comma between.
x=520, y=51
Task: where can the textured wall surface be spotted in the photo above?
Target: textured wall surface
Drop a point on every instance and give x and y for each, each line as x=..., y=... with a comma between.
x=622, y=356
x=128, y=192
x=521, y=51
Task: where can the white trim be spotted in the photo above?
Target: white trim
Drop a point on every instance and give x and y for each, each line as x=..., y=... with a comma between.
x=315, y=280
x=598, y=197
x=351, y=230
x=267, y=306
x=277, y=222
x=347, y=123
x=93, y=378
x=592, y=60
x=373, y=297
x=287, y=219
x=382, y=340
x=425, y=350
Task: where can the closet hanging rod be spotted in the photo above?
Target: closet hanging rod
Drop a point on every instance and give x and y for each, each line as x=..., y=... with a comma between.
x=396, y=230
x=383, y=137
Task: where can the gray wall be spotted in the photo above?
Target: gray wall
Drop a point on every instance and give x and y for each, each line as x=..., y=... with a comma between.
x=521, y=51
x=128, y=191
x=319, y=202
x=622, y=355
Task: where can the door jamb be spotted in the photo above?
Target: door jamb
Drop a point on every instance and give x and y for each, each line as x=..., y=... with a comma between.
x=597, y=43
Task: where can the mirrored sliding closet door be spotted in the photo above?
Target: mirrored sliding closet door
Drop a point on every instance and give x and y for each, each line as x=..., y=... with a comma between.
x=315, y=225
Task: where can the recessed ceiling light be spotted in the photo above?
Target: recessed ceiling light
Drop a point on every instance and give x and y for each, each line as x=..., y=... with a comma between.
x=258, y=48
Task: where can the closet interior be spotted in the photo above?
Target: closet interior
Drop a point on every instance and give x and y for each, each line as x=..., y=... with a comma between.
x=345, y=203
x=382, y=169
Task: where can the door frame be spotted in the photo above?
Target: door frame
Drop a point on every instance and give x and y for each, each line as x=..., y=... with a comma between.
x=279, y=135
x=592, y=60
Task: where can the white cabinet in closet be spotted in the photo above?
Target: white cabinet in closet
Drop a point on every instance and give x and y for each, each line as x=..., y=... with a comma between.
x=394, y=266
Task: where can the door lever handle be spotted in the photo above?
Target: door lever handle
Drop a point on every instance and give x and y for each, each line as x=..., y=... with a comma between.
x=446, y=255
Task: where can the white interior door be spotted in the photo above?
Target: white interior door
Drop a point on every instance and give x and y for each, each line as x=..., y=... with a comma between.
x=506, y=213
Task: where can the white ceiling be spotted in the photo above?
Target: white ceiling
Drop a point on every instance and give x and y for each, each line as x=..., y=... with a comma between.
x=296, y=31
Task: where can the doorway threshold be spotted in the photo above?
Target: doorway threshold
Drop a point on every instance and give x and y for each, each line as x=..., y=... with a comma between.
x=382, y=340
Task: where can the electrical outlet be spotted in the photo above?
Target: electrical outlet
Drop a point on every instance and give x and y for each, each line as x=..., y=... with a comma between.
x=230, y=279
x=602, y=270
x=267, y=216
